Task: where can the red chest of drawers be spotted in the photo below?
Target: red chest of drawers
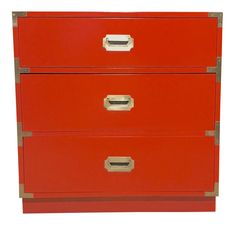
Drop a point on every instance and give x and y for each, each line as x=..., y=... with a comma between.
x=118, y=111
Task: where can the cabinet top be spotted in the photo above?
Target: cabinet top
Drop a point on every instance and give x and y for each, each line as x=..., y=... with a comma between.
x=118, y=14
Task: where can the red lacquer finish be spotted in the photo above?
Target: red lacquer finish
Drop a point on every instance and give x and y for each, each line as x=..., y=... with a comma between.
x=76, y=164
x=67, y=133
x=168, y=42
x=77, y=102
x=153, y=204
x=118, y=14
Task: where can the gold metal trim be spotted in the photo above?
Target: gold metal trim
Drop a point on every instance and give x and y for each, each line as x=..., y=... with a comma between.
x=219, y=16
x=21, y=134
x=214, y=133
x=119, y=164
x=217, y=133
x=127, y=105
x=15, y=16
x=19, y=70
x=216, y=69
x=213, y=193
x=209, y=133
x=23, y=194
x=124, y=42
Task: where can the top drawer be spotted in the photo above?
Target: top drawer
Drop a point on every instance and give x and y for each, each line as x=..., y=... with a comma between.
x=76, y=41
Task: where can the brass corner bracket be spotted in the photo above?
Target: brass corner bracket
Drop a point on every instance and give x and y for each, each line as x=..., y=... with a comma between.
x=216, y=69
x=21, y=134
x=23, y=194
x=219, y=16
x=215, y=133
x=15, y=16
x=213, y=193
x=19, y=70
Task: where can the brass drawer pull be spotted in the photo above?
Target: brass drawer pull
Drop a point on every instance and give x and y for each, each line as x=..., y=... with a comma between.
x=118, y=42
x=119, y=164
x=118, y=102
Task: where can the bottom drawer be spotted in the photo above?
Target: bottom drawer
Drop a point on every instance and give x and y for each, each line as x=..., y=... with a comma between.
x=77, y=166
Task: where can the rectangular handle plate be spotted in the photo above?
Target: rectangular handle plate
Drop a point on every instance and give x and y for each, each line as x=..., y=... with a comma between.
x=118, y=42
x=118, y=102
x=119, y=164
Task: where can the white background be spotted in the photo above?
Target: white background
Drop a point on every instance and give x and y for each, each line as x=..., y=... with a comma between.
x=10, y=204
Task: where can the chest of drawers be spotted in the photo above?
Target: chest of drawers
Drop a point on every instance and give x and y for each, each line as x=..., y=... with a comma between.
x=118, y=111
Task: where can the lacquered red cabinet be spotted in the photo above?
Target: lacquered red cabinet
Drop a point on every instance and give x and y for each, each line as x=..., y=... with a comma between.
x=118, y=111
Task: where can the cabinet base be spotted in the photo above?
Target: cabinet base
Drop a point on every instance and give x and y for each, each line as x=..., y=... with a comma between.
x=155, y=204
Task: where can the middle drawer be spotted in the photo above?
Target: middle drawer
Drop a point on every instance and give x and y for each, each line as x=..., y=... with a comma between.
x=108, y=102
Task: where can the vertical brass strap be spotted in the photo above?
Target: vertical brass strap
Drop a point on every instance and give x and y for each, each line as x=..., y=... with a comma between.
x=216, y=70
x=217, y=133
x=214, y=133
x=21, y=134
x=19, y=70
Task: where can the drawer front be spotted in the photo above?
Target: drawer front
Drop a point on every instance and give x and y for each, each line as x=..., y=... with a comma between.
x=155, y=42
x=156, y=102
x=96, y=166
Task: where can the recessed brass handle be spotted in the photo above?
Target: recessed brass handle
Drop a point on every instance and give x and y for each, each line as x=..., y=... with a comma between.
x=119, y=164
x=118, y=42
x=118, y=102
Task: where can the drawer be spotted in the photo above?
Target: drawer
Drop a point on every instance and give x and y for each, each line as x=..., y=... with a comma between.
x=162, y=103
x=76, y=166
x=134, y=42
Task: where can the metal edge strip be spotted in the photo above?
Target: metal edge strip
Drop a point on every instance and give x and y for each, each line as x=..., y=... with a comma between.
x=21, y=134
x=214, y=133
x=213, y=193
x=219, y=16
x=19, y=70
x=15, y=16
x=22, y=194
x=217, y=69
